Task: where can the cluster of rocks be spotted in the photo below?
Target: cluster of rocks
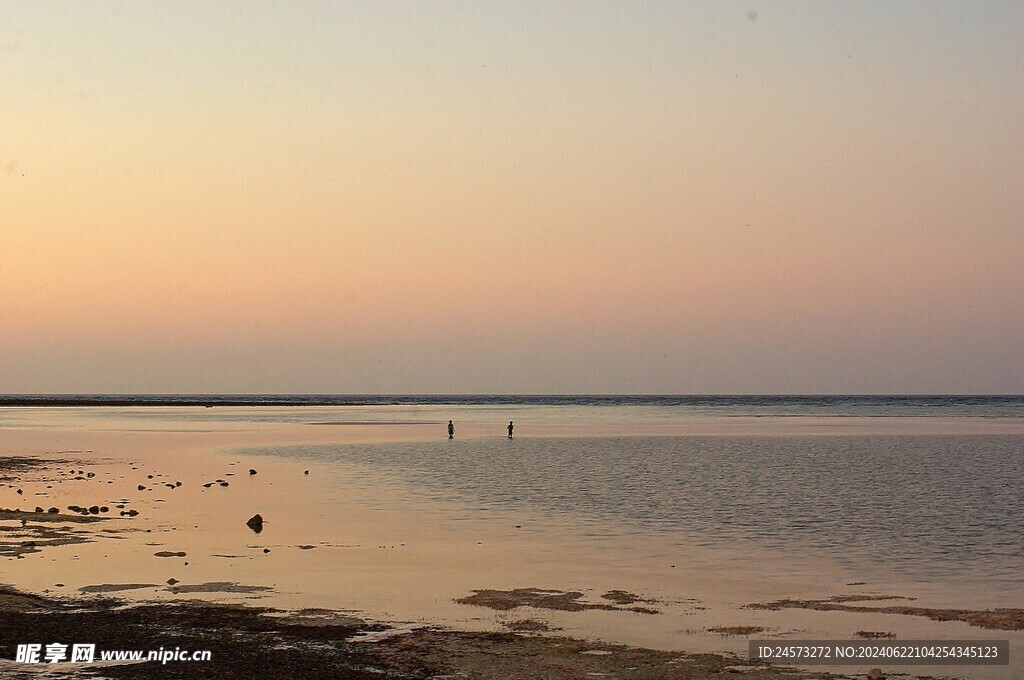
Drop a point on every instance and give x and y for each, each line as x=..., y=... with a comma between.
x=94, y=510
x=143, y=487
x=91, y=510
x=218, y=481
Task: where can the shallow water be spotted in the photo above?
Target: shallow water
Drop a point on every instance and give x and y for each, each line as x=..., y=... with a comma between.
x=929, y=508
x=705, y=513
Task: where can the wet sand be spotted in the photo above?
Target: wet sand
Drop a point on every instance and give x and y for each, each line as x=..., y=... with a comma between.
x=314, y=644
x=487, y=598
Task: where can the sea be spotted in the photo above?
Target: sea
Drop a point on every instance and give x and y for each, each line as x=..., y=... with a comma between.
x=991, y=406
x=928, y=488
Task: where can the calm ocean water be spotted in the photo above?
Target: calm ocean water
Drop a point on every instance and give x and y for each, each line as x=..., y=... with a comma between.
x=946, y=506
x=923, y=507
x=718, y=405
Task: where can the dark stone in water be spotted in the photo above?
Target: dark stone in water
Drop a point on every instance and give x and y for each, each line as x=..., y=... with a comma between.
x=95, y=509
x=251, y=471
x=255, y=523
x=53, y=511
x=38, y=509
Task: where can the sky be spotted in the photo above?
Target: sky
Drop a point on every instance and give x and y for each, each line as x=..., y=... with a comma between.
x=512, y=197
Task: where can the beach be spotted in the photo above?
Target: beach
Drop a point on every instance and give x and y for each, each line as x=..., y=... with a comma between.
x=504, y=340
x=385, y=548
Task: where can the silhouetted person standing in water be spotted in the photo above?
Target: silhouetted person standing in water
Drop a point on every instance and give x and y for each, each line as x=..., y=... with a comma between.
x=451, y=430
x=510, y=429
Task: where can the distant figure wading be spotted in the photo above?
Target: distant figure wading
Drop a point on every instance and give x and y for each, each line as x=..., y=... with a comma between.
x=510, y=429
x=451, y=430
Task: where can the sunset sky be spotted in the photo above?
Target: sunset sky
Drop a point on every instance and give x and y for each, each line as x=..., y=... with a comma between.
x=512, y=197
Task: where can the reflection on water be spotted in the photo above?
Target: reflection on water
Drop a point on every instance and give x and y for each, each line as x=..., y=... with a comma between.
x=705, y=513
x=927, y=507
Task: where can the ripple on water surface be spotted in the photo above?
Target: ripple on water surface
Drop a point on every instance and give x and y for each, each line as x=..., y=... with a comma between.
x=925, y=506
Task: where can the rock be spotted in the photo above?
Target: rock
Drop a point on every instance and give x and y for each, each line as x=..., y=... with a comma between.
x=95, y=509
x=20, y=492
x=141, y=488
x=53, y=511
x=876, y=674
x=38, y=509
x=177, y=484
x=172, y=581
x=90, y=475
x=251, y=471
x=133, y=512
x=255, y=523
x=119, y=505
x=266, y=550
x=149, y=476
x=208, y=485
x=104, y=508
x=223, y=483
x=306, y=472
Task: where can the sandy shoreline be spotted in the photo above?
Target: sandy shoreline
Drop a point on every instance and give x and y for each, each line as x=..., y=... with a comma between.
x=189, y=553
